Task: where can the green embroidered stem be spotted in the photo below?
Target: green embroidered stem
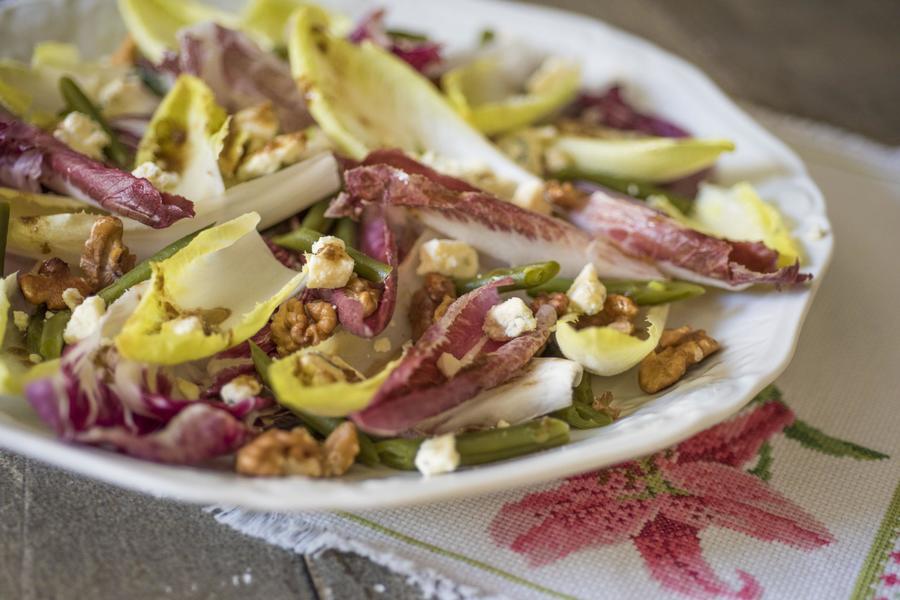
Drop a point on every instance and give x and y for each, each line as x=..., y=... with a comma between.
x=812, y=438
x=763, y=468
x=881, y=547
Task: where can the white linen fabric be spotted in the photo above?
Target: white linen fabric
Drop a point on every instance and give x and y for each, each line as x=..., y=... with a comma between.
x=796, y=497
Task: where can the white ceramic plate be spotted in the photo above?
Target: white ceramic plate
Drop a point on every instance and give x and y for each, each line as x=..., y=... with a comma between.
x=758, y=330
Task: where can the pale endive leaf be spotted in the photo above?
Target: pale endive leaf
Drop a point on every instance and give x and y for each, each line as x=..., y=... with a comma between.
x=15, y=367
x=471, y=90
x=365, y=98
x=291, y=382
x=185, y=137
x=42, y=221
x=606, y=351
x=645, y=159
x=226, y=278
x=738, y=213
x=154, y=24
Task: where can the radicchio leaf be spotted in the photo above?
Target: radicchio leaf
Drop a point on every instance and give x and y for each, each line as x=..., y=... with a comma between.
x=417, y=389
x=677, y=250
x=240, y=73
x=376, y=240
x=497, y=228
x=421, y=55
x=610, y=109
x=30, y=158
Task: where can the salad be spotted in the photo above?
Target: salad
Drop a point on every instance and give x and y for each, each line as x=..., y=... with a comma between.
x=289, y=244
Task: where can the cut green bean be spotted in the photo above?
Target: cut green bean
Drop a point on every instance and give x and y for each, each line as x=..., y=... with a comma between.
x=582, y=414
x=320, y=425
x=77, y=100
x=632, y=187
x=645, y=293
x=412, y=36
x=482, y=447
x=302, y=239
x=524, y=277
x=4, y=230
x=51, y=344
x=346, y=230
x=141, y=271
x=33, y=332
x=315, y=218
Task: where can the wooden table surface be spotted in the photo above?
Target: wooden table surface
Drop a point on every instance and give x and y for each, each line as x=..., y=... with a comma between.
x=63, y=536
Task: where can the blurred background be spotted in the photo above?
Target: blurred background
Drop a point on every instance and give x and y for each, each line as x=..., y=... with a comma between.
x=836, y=61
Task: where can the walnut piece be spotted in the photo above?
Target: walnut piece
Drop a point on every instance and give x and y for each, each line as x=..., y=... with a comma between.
x=47, y=283
x=277, y=453
x=563, y=194
x=618, y=313
x=678, y=349
x=363, y=292
x=430, y=302
x=558, y=300
x=297, y=325
x=105, y=257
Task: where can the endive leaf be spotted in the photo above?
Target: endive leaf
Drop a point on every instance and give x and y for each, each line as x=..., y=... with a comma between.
x=606, y=351
x=365, y=98
x=185, y=136
x=293, y=390
x=154, y=24
x=645, y=159
x=226, y=280
x=738, y=213
x=266, y=20
x=553, y=85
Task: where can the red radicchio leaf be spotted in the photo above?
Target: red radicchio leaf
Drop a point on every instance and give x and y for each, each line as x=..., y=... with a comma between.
x=30, y=158
x=421, y=55
x=679, y=251
x=497, y=228
x=610, y=109
x=240, y=73
x=376, y=240
x=417, y=389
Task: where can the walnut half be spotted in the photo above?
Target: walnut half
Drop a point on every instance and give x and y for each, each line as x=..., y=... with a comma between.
x=277, y=453
x=430, y=302
x=678, y=349
x=297, y=325
x=48, y=281
x=105, y=257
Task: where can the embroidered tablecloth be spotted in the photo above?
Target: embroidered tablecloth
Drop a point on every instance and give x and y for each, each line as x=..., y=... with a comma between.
x=798, y=496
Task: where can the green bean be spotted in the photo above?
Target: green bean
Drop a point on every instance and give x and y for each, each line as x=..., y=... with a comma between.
x=407, y=35
x=645, y=293
x=51, y=343
x=77, y=100
x=582, y=414
x=482, y=446
x=321, y=425
x=524, y=277
x=141, y=271
x=346, y=230
x=365, y=266
x=33, y=332
x=4, y=229
x=151, y=80
x=315, y=218
x=632, y=187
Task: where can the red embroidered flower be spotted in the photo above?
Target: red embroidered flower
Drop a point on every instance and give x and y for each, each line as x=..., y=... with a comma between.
x=661, y=504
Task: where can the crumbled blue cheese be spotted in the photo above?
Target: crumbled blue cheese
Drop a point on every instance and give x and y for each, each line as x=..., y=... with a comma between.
x=258, y=123
x=282, y=151
x=530, y=196
x=82, y=134
x=239, y=389
x=587, y=293
x=448, y=257
x=329, y=266
x=437, y=455
x=85, y=319
x=161, y=180
x=508, y=320
x=72, y=297
x=185, y=325
x=20, y=319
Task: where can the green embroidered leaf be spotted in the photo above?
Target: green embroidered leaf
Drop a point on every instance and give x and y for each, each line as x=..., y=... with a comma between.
x=812, y=438
x=763, y=468
x=770, y=393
